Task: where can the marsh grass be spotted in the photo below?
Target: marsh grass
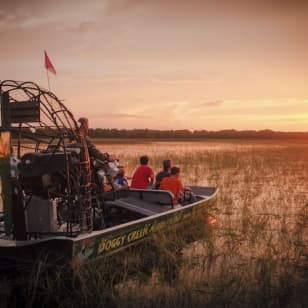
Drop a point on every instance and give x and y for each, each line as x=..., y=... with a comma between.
x=104, y=282
x=257, y=256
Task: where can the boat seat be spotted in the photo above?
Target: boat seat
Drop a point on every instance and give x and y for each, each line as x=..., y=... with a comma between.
x=157, y=196
x=147, y=201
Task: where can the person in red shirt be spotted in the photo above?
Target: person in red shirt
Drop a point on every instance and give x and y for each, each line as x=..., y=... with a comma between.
x=173, y=183
x=143, y=176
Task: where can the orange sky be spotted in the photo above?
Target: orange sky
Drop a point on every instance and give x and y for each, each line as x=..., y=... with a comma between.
x=165, y=64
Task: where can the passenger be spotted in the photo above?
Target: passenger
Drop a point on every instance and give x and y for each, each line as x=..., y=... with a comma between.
x=93, y=151
x=84, y=128
x=143, y=177
x=173, y=184
x=164, y=173
x=120, y=181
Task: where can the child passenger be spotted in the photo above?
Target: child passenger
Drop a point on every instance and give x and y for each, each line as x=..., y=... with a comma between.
x=143, y=176
x=120, y=181
x=173, y=184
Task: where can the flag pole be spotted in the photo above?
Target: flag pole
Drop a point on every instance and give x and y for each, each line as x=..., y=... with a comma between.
x=48, y=79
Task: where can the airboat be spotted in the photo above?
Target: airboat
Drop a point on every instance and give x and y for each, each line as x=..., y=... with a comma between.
x=53, y=200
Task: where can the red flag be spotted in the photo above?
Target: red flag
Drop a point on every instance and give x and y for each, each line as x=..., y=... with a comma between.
x=48, y=64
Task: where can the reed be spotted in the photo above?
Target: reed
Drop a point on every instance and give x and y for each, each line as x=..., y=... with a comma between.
x=256, y=256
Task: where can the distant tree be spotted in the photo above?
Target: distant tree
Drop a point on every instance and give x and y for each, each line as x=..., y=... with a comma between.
x=197, y=134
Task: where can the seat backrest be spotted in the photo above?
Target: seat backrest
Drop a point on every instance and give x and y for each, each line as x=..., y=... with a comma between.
x=156, y=196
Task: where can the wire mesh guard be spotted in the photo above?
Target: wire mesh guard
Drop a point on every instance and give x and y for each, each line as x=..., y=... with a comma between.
x=50, y=162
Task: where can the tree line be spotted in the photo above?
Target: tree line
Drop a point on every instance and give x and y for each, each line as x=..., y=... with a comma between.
x=196, y=134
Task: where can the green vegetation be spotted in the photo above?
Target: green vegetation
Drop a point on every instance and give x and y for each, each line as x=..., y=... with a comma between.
x=196, y=134
x=257, y=256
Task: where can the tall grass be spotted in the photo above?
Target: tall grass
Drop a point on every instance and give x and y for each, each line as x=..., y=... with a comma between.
x=257, y=256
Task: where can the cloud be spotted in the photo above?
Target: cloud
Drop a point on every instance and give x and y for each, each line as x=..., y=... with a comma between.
x=85, y=26
x=212, y=103
x=30, y=13
x=180, y=78
x=16, y=13
x=208, y=7
x=185, y=79
x=33, y=14
x=295, y=118
x=120, y=116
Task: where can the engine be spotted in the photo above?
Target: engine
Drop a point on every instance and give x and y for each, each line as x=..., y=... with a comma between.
x=52, y=185
x=51, y=182
x=44, y=174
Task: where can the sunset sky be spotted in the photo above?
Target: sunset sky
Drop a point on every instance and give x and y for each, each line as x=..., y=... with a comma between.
x=165, y=64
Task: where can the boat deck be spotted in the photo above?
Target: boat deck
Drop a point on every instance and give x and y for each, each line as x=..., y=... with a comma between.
x=151, y=202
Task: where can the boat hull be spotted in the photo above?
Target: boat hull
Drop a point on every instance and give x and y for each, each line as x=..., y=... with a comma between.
x=87, y=247
x=105, y=242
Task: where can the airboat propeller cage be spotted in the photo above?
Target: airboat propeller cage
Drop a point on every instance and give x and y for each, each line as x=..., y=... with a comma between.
x=53, y=158
x=27, y=105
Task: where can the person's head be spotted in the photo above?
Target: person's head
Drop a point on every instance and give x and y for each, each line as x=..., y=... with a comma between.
x=175, y=171
x=167, y=164
x=121, y=171
x=144, y=160
x=84, y=124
